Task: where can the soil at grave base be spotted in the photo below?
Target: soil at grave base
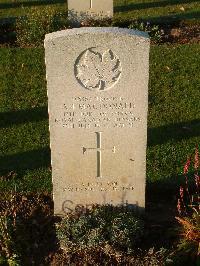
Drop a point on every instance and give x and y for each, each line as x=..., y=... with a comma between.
x=184, y=34
x=35, y=228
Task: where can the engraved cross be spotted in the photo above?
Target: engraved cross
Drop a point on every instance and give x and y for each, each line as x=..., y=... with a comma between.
x=99, y=150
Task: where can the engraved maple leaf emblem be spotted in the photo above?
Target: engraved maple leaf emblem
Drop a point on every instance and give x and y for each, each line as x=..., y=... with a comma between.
x=96, y=71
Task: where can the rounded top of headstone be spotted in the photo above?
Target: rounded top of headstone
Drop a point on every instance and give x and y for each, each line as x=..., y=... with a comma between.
x=96, y=30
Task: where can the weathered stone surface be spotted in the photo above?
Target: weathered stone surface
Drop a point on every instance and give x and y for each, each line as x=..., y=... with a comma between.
x=97, y=80
x=79, y=10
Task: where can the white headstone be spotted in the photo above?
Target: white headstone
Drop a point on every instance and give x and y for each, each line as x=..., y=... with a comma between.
x=79, y=10
x=97, y=80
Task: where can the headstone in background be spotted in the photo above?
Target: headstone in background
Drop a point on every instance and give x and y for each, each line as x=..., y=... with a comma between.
x=79, y=10
x=97, y=80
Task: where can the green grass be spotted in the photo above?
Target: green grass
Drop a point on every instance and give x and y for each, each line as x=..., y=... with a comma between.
x=159, y=10
x=24, y=7
x=174, y=109
x=24, y=120
x=173, y=122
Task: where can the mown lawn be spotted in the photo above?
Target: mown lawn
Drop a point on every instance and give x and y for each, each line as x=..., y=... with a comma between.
x=159, y=11
x=16, y=8
x=153, y=10
x=173, y=122
x=24, y=133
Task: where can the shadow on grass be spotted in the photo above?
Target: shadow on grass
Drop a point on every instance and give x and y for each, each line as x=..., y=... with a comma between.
x=23, y=116
x=172, y=19
x=165, y=189
x=138, y=6
x=177, y=132
x=30, y=3
x=168, y=19
x=25, y=160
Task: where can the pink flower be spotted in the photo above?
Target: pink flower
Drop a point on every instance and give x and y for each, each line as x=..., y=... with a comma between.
x=181, y=192
x=187, y=165
x=179, y=207
x=196, y=158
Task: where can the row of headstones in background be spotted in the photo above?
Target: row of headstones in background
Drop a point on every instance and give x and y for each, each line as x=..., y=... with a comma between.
x=97, y=81
x=79, y=10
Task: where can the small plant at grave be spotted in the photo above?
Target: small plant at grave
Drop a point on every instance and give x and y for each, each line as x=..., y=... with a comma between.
x=91, y=22
x=30, y=30
x=155, y=33
x=106, y=229
x=8, y=254
x=189, y=211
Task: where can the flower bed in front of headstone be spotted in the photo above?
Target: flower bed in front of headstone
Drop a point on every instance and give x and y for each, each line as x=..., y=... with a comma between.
x=101, y=234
